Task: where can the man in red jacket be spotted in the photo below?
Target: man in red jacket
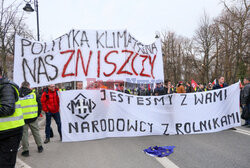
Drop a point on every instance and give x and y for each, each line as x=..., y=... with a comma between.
x=50, y=104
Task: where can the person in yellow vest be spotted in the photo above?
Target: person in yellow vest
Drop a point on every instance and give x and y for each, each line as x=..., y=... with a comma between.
x=31, y=108
x=11, y=122
x=61, y=90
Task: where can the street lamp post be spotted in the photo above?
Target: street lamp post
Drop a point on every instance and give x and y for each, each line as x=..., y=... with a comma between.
x=28, y=8
x=157, y=34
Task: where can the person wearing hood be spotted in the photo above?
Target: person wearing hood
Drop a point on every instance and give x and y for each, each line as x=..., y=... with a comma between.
x=11, y=122
x=31, y=107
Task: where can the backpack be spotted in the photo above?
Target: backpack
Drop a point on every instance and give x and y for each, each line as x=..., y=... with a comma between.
x=46, y=90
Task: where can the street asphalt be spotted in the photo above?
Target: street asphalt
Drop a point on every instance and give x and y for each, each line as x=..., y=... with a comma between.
x=225, y=149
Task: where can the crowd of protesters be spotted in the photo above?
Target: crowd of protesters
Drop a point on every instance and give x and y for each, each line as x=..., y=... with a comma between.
x=168, y=88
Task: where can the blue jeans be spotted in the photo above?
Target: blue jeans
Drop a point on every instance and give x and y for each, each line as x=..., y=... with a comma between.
x=57, y=119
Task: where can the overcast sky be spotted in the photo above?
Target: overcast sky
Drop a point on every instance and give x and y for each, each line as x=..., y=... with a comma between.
x=142, y=18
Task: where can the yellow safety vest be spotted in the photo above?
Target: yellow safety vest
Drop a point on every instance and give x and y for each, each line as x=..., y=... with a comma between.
x=29, y=106
x=15, y=120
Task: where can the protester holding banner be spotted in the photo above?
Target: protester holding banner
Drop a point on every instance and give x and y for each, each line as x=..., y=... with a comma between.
x=201, y=88
x=121, y=88
x=50, y=105
x=209, y=86
x=180, y=88
x=142, y=91
x=159, y=90
x=79, y=85
x=31, y=107
x=220, y=84
x=11, y=122
x=189, y=89
x=246, y=101
x=167, y=87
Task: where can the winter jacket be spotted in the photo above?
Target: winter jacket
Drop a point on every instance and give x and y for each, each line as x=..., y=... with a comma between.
x=23, y=91
x=8, y=97
x=180, y=89
x=159, y=91
x=218, y=86
x=246, y=94
x=166, y=90
x=50, y=101
x=200, y=90
x=189, y=89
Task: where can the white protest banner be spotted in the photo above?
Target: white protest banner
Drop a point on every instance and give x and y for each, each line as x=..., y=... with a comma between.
x=81, y=54
x=95, y=114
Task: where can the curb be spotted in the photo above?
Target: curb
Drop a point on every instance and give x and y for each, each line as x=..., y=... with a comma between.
x=41, y=123
x=21, y=164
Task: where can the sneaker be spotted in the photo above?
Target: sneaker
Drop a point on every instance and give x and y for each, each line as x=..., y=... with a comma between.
x=25, y=153
x=46, y=140
x=40, y=149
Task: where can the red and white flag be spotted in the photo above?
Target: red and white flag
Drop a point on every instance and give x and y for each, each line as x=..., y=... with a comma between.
x=241, y=86
x=214, y=82
x=194, y=84
x=149, y=87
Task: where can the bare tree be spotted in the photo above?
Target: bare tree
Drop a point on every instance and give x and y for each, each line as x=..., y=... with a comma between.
x=219, y=47
x=11, y=22
x=171, y=56
x=238, y=24
x=204, y=38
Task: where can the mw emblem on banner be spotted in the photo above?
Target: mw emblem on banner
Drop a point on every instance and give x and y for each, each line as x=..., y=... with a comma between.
x=81, y=106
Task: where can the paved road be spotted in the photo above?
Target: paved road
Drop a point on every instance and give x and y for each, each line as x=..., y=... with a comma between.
x=225, y=149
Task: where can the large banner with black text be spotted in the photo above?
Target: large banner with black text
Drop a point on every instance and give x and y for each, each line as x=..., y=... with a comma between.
x=80, y=54
x=95, y=114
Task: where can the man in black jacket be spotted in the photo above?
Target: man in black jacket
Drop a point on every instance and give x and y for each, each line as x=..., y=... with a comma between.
x=246, y=101
x=168, y=87
x=11, y=123
x=220, y=84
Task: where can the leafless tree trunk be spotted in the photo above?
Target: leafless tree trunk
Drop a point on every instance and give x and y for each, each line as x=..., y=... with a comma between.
x=10, y=24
